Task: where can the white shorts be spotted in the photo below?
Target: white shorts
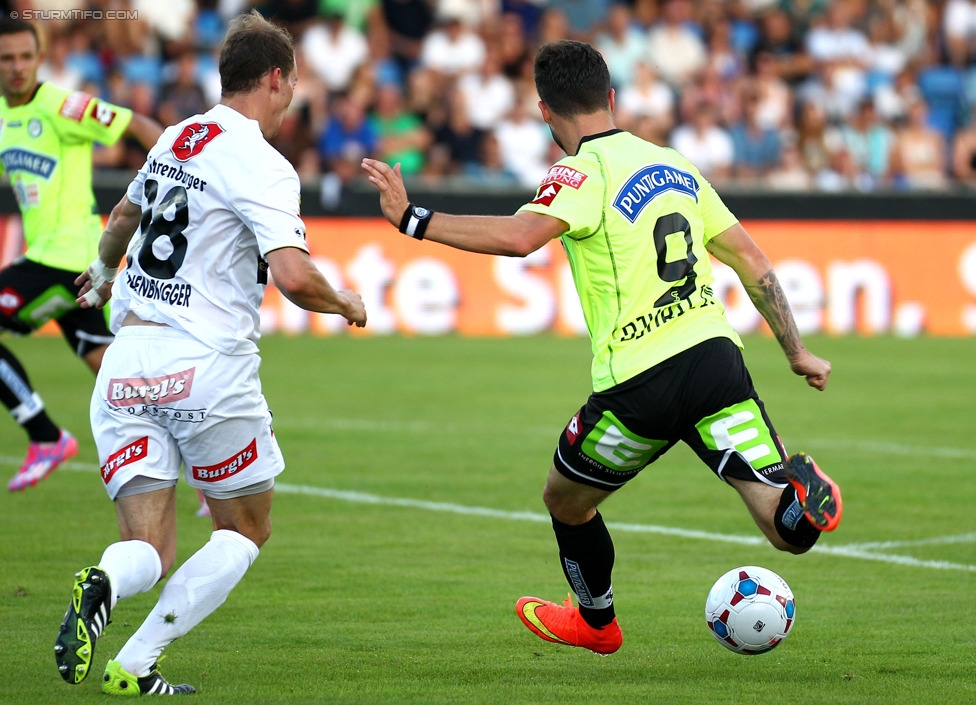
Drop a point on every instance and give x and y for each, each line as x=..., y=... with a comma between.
x=163, y=399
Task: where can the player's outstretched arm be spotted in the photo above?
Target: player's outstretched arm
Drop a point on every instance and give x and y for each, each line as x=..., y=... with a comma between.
x=144, y=130
x=735, y=248
x=511, y=235
x=96, y=281
x=303, y=284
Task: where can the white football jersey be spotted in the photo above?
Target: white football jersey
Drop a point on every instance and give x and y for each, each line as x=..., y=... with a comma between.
x=215, y=198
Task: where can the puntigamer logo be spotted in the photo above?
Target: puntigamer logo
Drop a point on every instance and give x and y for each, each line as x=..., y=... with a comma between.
x=650, y=182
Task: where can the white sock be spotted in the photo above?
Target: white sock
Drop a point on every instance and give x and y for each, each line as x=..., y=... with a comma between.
x=132, y=567
x=198, y=588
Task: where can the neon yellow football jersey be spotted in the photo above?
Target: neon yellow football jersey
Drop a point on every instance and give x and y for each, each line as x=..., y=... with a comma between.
x=639, y=216
x=46, y=148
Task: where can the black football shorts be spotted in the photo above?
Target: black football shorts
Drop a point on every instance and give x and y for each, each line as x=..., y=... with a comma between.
x=32, y=294
x=703, y=396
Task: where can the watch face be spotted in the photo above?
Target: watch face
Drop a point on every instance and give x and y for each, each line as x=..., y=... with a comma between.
x=420, y=212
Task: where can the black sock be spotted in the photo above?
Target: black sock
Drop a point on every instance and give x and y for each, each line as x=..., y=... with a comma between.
x=586, y=555
x=16, y=392
x=792, y=524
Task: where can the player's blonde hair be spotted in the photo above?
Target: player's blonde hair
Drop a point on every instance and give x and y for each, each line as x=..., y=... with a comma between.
x=253, y=46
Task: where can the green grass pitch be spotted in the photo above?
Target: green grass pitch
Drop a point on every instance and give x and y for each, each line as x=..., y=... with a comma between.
x=409, y=520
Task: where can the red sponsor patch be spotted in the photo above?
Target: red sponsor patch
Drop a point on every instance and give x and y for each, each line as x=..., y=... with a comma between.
x=126, y=456
x=103, y=112
x=564, y=175
x=546, y=193
x=10, y=301
x=227, y=468
x=75, y=105
x=127, y=391
x=193, y=138
x=573, y=429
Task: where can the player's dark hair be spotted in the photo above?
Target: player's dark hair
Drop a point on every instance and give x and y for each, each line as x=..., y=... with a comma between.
x=253, y=47
x=572, y=78
x=9, y=25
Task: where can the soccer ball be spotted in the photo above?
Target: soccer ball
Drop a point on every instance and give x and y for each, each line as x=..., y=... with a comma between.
x=750, y=610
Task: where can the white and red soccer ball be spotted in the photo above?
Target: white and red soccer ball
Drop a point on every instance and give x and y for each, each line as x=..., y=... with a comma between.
x=750, y=610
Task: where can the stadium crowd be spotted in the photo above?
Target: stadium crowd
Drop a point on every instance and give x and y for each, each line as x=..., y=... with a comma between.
x=831, y=95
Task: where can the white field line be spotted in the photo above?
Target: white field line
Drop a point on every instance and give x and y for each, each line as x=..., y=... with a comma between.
x=396, y=426
x=864, y=551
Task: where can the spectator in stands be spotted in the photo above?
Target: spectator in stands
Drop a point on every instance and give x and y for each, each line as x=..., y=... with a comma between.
x=553, y=25
x=364, y=16
x=919, y=154
x=775, y=108
x=458, y=137
x=913, y=21
x=726, y=59
x=893, y=100
x=524, y=143
x=407, y=24
x=402, y=136
x=295, y=15
x=584, y=17
x=757, y=146
x=959, y=30
x=56, y=68
x=512, y=44
x=886, y=58
x=171, y=22
x=778, y=39
x=348, y=136
x=964, y=155
x=311, y=98
x=452, y=48
x=674, y=47
x=705, y=143
x=816, y=140
x=426, y=97
x=869, y=141
x=841, y=174
x=623, y=45
x=334, y=51
x=296, y=143
x=645, y=97
x=488, y=94
x=709, y=87
x=489, y=170
x=183, y=95
x=840, y=52
x=790, y=174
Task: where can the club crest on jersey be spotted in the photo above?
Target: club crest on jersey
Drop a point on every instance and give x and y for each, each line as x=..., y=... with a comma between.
x=546, y=193
x=193, y=138
x=648, y=183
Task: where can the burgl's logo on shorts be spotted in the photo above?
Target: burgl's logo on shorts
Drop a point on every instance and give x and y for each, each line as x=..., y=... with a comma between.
x=226, y=468
x=120, y=458
x=128, y=391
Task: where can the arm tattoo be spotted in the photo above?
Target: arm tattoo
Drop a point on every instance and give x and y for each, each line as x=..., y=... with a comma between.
x=769, y=298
